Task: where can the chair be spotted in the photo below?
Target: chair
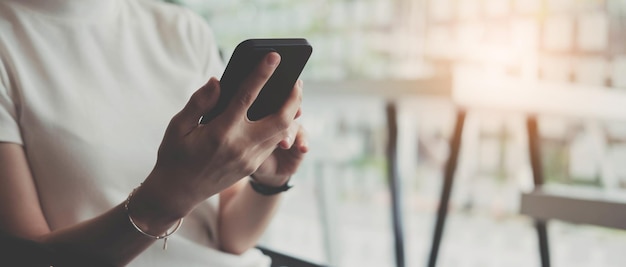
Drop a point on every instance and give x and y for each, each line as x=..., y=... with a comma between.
x=473, y=90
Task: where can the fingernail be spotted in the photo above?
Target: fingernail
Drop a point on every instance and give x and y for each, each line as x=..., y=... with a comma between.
x=273, y=59
x=286, y=142
x=300, y=83
x=298, y=114
x=304, y=147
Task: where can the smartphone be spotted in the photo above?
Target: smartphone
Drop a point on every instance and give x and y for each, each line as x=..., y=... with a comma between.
x=247, y=56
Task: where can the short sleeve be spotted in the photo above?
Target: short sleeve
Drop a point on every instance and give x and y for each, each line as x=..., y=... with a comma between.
x=206, y=46
x=9, y=127
x=213, y=65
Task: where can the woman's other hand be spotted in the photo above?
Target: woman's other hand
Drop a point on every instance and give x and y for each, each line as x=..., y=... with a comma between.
x=286, y=158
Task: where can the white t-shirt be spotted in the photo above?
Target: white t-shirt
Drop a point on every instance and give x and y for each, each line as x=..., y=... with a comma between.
x=88, y=88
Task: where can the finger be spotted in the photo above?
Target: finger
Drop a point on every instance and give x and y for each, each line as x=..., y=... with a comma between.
x=282, y=119
x=201, y=102
x=299, y=84
x=299, y=113
x=301, y=142
x=290, y=138
x=252, y=85
x=294, y=102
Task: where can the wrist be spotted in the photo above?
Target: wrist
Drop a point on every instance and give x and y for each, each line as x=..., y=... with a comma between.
x=270, y=181
x=268, y=190
x=152, y=205
x=150, y=229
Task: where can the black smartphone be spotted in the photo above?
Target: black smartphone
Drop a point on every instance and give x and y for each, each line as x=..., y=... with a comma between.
x=248, y=54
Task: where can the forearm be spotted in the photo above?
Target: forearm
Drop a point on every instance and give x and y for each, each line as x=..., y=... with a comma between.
x=244, y=219
x=111, y=237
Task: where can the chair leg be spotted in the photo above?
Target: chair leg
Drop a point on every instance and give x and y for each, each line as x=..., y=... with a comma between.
x=451, y=164
x=534, y=153
x=394, y=182
x=542, y=234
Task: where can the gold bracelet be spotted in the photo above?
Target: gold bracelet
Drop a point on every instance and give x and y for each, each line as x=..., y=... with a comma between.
x=157, y=237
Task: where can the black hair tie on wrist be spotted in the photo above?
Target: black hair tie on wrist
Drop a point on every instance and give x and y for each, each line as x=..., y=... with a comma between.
x=268, y=190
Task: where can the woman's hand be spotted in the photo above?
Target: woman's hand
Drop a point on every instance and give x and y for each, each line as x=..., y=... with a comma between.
x=286, y=158
x=283, y=162
x=196, y=161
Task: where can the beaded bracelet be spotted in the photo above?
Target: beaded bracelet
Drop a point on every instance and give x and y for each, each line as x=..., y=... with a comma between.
x=157, y=237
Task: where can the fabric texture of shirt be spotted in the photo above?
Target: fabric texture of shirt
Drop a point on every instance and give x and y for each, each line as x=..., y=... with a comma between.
x=88, y=88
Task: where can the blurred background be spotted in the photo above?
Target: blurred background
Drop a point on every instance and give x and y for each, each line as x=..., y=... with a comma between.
x=370, y=53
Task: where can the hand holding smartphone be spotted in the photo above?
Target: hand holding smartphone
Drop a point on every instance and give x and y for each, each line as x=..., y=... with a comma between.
x=247, y=55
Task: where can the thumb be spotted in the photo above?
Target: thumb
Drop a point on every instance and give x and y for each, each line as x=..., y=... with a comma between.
x=201, y=102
